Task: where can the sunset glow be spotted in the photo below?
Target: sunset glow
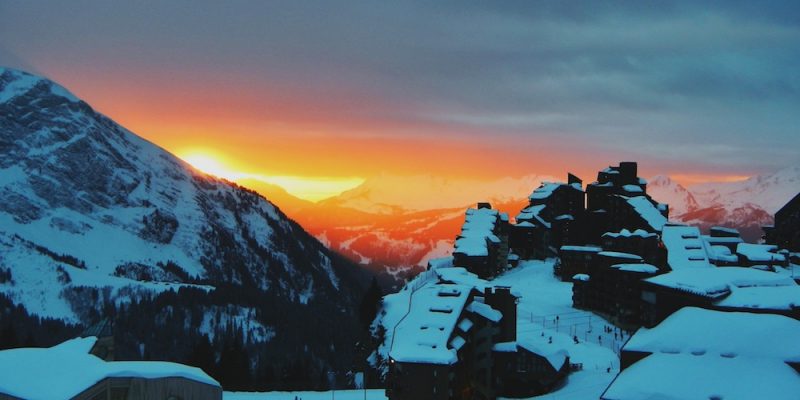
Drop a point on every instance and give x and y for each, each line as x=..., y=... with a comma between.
x=311, y=188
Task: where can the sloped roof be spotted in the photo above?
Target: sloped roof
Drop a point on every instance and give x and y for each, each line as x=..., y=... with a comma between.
x=65, y=370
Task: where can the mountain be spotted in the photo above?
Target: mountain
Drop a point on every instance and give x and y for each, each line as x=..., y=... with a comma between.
x=96, y=222
x=394, y=194
x=746, y=205
x=392, y=225
x=665, y=190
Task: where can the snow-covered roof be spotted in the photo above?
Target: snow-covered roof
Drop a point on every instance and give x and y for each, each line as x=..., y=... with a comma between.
x=627, y=233
x=555, y=356
x=443, y=262
x=648, y=212
x=643, y=268
x=715, y=334
x=581, y=277
x=532, y=213
x=485, y=311
x=702, y=354
x=616, y=254
x=593, y=249
x=721, y=253
x=685, y=249
x=763, y=297
x=686, y=376
x=423, y=336
x=632, y=189
x=460, y=276
x=546, y=190
x=479, y=227
x=759, y=252
x=65, y=370
x=717, y=282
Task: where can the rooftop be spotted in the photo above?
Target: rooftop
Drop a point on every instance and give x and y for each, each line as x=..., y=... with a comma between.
x=702, y=354
x=423, y=336
x=685, y=249
x=648, y=212
x=717, y=282
x=70, y=369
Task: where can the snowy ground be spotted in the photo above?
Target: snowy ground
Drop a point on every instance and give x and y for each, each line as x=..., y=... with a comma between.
x=371, y=394
x=545, y=311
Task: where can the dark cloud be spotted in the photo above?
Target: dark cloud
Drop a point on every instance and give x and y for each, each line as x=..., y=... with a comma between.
x=655, y=76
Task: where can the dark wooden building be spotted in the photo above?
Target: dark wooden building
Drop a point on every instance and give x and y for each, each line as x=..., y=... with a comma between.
x=785, y=233
x=553, y=217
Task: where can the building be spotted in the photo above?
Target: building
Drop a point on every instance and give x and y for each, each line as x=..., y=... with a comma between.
x=524, y=368
x=720, y=245
x=619, y=200
x=702, y=354
x=725, y=289
x=613, y=287
x=685, y=248
x=761, y=255
x=785, y=233
x=553, y=218
x=640, y=242
x=482, y=245
x=458, y=340
x=575, y=260
x=442, y=348
x=68, y=371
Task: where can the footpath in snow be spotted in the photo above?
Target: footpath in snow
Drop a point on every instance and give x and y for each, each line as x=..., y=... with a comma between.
x=545, y=315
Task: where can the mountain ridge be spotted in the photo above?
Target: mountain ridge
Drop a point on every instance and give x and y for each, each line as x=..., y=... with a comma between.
x=93, y=217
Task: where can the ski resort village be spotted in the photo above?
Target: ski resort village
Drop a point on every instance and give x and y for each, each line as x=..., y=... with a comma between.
x=589, y=292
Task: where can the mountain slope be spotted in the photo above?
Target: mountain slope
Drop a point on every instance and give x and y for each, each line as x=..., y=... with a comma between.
x=746, y=205
x=84, y=203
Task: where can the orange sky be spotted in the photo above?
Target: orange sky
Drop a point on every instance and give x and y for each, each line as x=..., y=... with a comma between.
x=258, y=131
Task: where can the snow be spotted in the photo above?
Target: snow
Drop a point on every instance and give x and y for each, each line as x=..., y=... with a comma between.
x=683, y=376
x=581, y=277
x=556, y=358
x=485, y=311
x=533, y=212
x=643, y=268
x=760, y=252
x=68, y=369
x=632, y=189
x=717, y=282
x=627, y=233
x=369, y=394
x=616, y=254
x=770, y=297
x=699, y=354
x=685, y=249
x=593, y=249
x=542, y=297
x=422, y=335
x=436, y=263
x=479, y=226
x=648, y=211
x=546, y=190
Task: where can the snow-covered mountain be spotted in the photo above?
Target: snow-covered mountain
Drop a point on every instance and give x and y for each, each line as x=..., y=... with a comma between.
x=84, y=203
x=392, y=194
x=746, y=205
x=665, y=190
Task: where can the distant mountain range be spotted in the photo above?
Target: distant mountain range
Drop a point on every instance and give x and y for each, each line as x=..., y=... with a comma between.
x=746, y=205
x=93, y=217
x=396, y=224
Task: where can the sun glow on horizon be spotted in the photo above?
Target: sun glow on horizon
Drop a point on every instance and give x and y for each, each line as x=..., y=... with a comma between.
x=311, y=188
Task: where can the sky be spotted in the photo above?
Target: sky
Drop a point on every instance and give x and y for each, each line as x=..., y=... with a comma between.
x=322, y=95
